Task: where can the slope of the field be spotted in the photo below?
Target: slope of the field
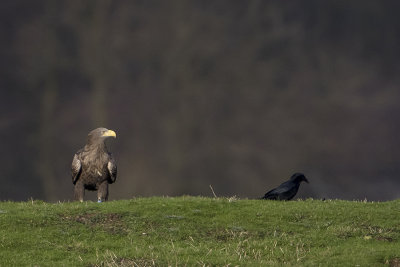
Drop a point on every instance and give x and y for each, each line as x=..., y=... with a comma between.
x=196, y=231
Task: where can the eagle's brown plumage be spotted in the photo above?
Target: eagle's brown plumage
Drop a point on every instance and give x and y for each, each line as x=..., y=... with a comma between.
x=93, y=167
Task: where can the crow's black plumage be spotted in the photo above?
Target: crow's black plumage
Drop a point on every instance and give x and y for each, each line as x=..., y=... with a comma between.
x=93, y=167
x=288, y=189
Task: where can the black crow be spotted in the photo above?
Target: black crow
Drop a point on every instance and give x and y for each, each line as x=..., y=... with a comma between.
x=93, y=167
x=288, y=189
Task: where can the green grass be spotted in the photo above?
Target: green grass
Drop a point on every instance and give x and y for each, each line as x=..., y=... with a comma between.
x=196, y=231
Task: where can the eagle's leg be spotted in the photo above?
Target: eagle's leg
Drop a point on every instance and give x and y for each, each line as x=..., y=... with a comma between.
x=79, y=191
x=102, y=192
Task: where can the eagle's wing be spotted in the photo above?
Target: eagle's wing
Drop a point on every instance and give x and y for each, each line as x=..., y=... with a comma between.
x=76, y=169
x=112, y=169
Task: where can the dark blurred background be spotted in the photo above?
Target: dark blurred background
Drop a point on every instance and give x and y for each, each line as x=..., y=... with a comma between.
x=234, y=94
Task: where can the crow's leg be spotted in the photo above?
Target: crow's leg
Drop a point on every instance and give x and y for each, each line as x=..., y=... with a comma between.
x=102, y=192
x=79, y=191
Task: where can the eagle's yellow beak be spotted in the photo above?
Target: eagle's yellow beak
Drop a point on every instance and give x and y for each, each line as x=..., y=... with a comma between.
x=110, y=133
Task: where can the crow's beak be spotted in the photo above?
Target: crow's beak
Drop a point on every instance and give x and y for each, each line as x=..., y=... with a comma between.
x=305, y=180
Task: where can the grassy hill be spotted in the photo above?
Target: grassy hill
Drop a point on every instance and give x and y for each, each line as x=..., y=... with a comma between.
x=196, y=231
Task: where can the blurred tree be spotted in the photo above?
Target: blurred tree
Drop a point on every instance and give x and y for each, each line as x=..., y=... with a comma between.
x=41, y=60
x=95, y=43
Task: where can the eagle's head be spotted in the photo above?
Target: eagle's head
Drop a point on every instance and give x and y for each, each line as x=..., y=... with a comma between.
x=99, y=135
